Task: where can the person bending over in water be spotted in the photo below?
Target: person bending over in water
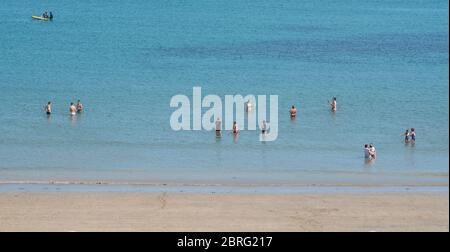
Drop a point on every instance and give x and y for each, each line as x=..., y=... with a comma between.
x=48, y=108
x=235, y=128
x=79, y=106
x=333, y=104
x=413, y=135
x=406, y=134
x=293, y=111
x=50, y=16
x=72, y=109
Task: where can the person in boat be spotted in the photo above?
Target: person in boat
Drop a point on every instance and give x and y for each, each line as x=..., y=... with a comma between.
x=45, y=15
x=50, y=16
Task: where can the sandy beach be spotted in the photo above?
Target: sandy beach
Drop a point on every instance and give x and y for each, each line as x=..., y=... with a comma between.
x=93, y=211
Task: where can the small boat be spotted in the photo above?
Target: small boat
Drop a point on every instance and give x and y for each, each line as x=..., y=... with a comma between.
x=40, y=18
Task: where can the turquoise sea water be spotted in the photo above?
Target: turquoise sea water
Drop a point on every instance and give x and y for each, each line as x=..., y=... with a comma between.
x=386, y=61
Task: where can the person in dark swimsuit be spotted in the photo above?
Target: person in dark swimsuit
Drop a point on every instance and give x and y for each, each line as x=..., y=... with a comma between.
x=413, y=135
x=235, y=128
x=406, y=134
x=293, y=111
x=264, y=127
x=48, y=108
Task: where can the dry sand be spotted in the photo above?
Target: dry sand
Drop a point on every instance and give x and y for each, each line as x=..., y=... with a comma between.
x=87, y=211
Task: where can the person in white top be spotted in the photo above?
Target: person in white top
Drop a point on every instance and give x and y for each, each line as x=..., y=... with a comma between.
x=218, y=124
x=372, y=151
x=218, y=127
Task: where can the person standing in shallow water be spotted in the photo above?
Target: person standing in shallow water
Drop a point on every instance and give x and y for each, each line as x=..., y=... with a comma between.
x=413, y=135
x=333, y=104
x=218, y=127
x=235, y=128
x=366, y=151
x=79, y=107
x=372, y=151
x=293, y=111
x=264, y=127
x=248, y=106
x=48, y=108
x=406, y=134
x=72, y=109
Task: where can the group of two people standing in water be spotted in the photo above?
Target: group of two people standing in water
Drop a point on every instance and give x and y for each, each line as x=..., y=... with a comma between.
x=333, y=104
x=410, y=134
x=72, y=108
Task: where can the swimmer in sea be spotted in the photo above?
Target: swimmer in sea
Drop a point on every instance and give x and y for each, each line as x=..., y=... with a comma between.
x=293, y=111
x=413, y=135
x=72, y=109
x=264, y=127
x=248, y=106
x=366, y=151
x=79, y=107
x=372, y=151
x=333, y=105
x=235, y=128
x=218, y=127
x=406, y=134
x=48, y=108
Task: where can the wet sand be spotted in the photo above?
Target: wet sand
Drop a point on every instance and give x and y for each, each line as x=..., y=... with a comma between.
x=94, y=211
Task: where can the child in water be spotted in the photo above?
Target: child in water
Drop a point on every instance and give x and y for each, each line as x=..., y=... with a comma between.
x=406, y=134
x=413, y=135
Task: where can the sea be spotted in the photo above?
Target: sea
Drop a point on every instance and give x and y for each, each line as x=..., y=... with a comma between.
x=386, y=62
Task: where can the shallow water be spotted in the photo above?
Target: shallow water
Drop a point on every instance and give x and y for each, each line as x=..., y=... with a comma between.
x=386, y=61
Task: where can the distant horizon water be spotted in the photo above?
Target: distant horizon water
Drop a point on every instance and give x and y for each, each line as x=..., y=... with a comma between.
x=385, y=61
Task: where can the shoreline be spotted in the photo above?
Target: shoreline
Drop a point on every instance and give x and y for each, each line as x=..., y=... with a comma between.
x=117, y=187
x=221, y=212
